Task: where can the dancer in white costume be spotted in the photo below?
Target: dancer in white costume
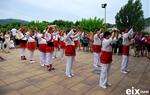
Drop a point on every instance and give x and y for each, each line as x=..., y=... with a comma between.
x=70, y=52
x=31, y=45
x=62, y=44
x=42, y=48
x=23, y=41
x=97, y=48
x=106, y=59
x=125, y=50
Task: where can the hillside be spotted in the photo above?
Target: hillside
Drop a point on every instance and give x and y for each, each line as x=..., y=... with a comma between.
x=8, y=21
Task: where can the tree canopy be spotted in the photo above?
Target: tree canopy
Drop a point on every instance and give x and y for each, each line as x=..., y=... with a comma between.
x=88, y=25
x=130, y=15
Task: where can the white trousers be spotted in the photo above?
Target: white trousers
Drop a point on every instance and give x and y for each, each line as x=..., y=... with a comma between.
x=96, y=59
x=61, y=53
x=124, y=64
x=49, y=58
x=55, y=52
x=104, y=74
x=22, y=51
x=42, y=58
x=69, y=64
x=31, y=53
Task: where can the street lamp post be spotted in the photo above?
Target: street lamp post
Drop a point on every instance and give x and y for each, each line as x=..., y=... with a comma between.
x=104, y=6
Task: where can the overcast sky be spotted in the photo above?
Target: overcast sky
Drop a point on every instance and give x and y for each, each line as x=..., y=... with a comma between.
x=72, y=10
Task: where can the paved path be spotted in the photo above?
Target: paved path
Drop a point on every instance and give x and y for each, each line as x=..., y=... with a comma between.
x=21, y=78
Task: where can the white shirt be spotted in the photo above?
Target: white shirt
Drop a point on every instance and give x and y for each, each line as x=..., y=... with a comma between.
x=69, y=39
x=40, y=39
x=14, y=31
x=48, y=36
x=7, y=37
x=31, y=39
x=97, y=40
x=126, y=37
x=62, y=38
x=56, y=37
x=107, y=44
x=21, y=36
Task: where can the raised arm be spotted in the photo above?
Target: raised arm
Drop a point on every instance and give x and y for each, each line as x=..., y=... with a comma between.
x=69, y=34
x=77, y=35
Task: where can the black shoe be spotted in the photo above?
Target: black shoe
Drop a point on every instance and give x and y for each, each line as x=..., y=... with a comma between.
x=52, y=68
x=49, y=69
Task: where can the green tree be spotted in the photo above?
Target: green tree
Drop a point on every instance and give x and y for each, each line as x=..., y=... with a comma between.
x=130, y=15
x=91, y=24
x=63, y=24
x=37, y=24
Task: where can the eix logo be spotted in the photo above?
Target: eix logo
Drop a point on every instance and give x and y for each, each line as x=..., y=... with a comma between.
x=133, y=91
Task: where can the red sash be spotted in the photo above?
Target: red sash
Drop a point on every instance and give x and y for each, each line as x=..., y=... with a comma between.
x=31, y=46
x=125, y=50
x=62, y=45
x=76, y=43
x=96, y=48
x=106, y=57
x=42, y=47
x=49, y=49
x=56, y=44
x=70, y=50
x=22, y=45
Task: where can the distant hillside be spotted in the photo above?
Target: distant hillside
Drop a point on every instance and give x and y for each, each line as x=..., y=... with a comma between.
x=8, y=21
x=147, y=21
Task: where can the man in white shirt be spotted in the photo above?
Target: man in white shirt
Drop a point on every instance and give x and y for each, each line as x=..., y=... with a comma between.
x=13, y=32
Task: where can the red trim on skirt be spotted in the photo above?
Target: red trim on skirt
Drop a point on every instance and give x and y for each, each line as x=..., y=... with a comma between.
x=70, y=50
x=42, y=47
x=31, y=46
x=76, y=44
x=62, y=44
x=106, y=57
x=125, y=50
x=56, y=44
x=96, y=48
x=22, y=45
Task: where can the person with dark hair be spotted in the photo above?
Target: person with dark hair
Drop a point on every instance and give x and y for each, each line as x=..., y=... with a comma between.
x=117, y=46
x=2, y=41
x=137, y=44
x=125, y=50
x=106, y=59
x=85, y=42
